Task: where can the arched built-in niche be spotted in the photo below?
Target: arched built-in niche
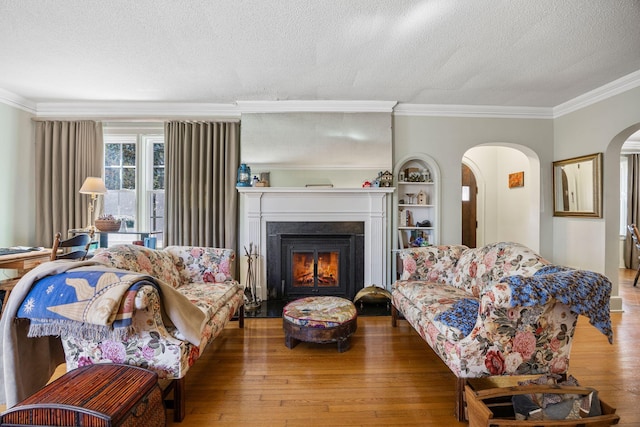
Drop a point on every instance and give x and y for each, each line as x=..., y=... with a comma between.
x=507, y=213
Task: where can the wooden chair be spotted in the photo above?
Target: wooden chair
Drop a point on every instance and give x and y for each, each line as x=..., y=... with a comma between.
x=635, y=236
x=82, y=241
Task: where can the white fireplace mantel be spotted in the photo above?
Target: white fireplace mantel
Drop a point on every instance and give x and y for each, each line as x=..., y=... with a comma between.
x=370, y=205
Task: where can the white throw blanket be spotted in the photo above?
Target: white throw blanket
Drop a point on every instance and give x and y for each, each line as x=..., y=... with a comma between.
x=28, y=363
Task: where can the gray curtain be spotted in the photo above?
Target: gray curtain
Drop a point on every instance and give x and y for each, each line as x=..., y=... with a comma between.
x=633, y=209
x=66, y=153
x=201, y=200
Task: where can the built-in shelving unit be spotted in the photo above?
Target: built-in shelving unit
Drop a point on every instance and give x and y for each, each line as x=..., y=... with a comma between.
x=416, y=202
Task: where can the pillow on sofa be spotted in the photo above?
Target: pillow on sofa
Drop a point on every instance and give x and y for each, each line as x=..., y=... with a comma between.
x=200, y=264
x=157, y=263
x=479, y=267
x=431, y=263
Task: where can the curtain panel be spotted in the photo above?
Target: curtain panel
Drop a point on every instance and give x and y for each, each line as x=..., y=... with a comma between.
x=66, y=153
x=633, y=209
x=201, y=200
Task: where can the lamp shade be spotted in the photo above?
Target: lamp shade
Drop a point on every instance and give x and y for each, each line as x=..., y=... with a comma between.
x=93, y=185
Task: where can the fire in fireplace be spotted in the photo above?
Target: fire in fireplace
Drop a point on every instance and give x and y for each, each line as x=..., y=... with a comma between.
x=314, y=258
x=314, y=269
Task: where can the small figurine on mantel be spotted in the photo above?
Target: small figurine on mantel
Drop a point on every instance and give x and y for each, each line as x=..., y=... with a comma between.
x=386, y=179
x=422, y=198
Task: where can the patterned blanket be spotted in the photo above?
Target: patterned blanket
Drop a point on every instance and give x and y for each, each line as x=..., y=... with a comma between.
x=585, y=292
x=462, y=315
x=90, y=304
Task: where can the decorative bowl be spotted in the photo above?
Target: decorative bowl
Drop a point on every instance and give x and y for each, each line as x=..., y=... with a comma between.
x=108, y=224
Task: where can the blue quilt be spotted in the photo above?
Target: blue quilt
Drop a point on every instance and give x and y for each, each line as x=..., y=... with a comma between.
x=91, y=304
x=462, y=315
x=585, y=292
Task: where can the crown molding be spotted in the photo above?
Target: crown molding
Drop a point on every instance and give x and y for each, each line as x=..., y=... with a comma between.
x=136, y=110
x=139, y=110
x=316, y=106
x=616, y=87
x=486, y=111
x=161, y=110
x=17, y=101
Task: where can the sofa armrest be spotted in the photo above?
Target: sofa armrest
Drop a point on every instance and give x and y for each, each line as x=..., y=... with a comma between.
x=152, y=345
x=523, y=339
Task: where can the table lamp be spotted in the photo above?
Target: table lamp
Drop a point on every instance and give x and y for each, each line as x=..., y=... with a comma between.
x=93, y=186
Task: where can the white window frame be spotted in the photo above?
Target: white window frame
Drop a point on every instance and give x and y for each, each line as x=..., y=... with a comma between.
x=144, y=136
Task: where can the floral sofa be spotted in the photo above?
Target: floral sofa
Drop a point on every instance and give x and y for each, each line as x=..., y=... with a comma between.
x=203, y=275
x=500, y=309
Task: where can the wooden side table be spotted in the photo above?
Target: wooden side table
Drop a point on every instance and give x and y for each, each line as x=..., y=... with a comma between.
x=23, y=262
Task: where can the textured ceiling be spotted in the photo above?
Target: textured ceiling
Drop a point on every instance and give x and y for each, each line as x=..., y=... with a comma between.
x=534, y=53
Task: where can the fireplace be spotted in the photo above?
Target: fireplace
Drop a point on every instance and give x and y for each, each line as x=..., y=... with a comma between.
x=260, y=206
x=314, y=258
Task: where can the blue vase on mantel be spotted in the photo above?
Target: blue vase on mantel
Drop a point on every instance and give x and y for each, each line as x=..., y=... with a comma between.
x=244, y=176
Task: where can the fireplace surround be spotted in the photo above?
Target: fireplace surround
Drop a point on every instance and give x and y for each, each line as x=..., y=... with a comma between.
x=369, y=206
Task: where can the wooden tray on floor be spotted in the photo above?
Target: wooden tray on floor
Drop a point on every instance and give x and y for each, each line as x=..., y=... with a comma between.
x=492, y=407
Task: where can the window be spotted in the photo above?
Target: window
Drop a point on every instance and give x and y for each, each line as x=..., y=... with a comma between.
x=134, y=176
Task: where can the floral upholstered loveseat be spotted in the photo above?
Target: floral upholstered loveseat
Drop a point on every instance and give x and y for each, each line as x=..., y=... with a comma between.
x=496, y=310
x=202, y=275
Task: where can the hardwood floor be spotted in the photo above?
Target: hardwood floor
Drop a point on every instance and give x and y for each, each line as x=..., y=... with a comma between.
x=388, y=377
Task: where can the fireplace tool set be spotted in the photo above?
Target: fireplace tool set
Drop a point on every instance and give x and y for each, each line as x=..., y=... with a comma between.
x=252, y=302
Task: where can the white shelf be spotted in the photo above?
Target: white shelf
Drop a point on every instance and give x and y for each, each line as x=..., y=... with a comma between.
x=415, y=183
x=404, y=205
x=415, y=228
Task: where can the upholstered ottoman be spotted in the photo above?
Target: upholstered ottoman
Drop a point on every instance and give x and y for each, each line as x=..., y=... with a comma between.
x=320, y=320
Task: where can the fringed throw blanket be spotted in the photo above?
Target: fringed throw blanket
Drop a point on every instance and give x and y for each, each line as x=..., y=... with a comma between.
x=89, y=304
x=585, y=292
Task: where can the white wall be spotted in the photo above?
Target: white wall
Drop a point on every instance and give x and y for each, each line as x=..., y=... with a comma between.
x=446, y=139
x=17, y=185
x=602, y=127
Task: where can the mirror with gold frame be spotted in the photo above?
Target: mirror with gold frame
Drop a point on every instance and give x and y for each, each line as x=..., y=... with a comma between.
x=577, y=186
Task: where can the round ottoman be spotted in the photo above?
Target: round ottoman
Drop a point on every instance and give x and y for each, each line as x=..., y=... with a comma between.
x=320, y=320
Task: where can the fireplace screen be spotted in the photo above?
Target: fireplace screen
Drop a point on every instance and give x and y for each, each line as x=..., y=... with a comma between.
x=314, y=258
x=311, y=269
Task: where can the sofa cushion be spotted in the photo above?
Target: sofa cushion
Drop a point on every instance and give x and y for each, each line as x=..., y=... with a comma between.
x=431, y=263
x=480, y=267
x=159, y=264
x=210, y=297
x=432, y=300
x=198, y=264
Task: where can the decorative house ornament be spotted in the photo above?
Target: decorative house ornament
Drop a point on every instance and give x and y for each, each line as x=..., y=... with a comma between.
x=422, y=198
x=244, y=176
x=386, y=179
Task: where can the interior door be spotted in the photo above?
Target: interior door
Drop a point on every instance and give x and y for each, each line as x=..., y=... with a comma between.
x=469, y=203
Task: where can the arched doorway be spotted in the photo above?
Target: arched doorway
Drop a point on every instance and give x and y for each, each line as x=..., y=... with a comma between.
x=505, y=213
